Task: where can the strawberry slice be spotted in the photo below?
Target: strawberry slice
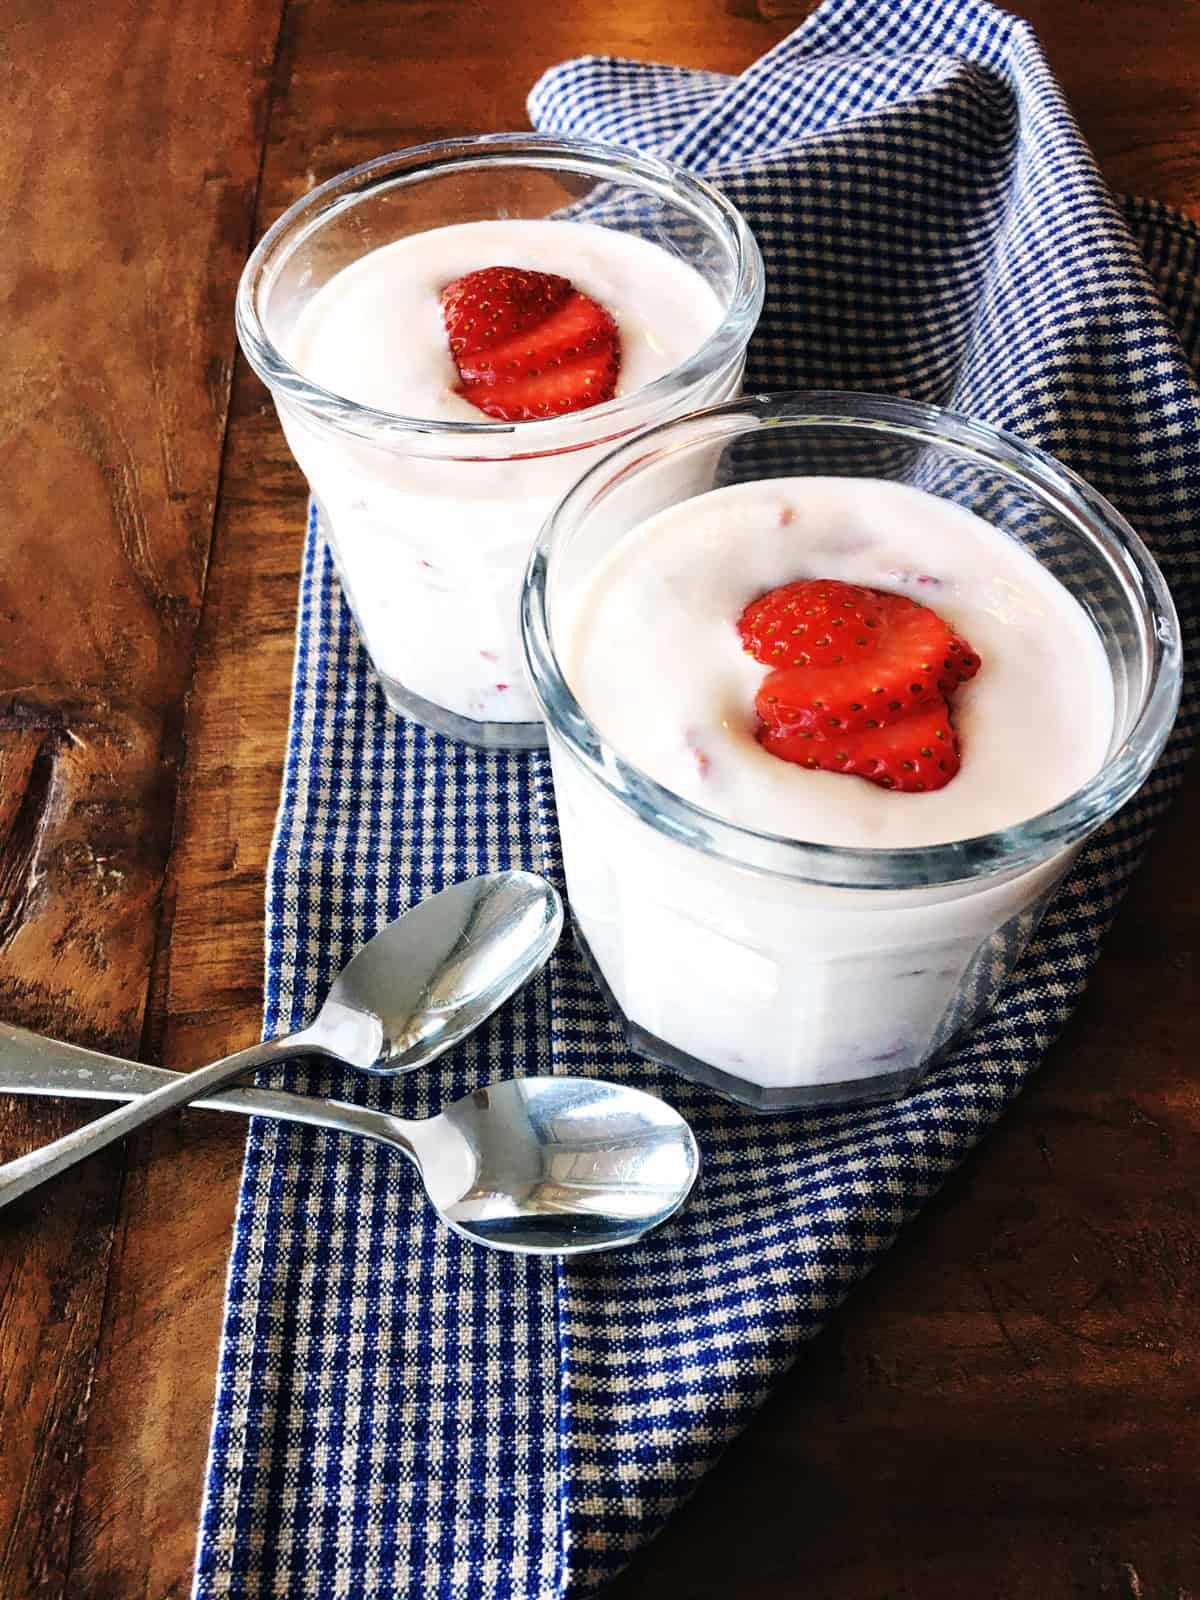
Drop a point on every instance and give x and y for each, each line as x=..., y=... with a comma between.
x=529, y=344
x=918, y=754
x=484, y=309
x=959, y=665
x=860, y=682
x=858, y=689
x=813, y=622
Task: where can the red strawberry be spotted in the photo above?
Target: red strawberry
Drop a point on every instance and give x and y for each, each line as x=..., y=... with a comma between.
x=901, y=670
x=802, y=624
x=528, y=344
x=860, y=684
x=914, y=755
x=484, y=309
x=959, y=664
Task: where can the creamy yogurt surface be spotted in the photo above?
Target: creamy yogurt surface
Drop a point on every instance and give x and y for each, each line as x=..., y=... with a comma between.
x=651, y=650
x=374, y=332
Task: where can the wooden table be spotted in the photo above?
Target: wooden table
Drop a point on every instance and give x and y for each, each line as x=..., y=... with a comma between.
x=1010, y=1406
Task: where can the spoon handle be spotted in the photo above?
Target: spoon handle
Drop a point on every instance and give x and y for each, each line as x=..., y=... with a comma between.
x=32, y=1064
x=28, y=1171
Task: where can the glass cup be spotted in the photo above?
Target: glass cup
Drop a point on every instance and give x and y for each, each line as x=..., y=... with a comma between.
x=789, y=974
x=431, y=522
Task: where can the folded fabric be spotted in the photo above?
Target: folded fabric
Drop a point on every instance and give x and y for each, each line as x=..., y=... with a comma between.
x=401, y=1414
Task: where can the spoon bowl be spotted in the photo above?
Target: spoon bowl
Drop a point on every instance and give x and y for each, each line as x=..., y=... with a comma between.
x=436, y=973
x=556, y=1165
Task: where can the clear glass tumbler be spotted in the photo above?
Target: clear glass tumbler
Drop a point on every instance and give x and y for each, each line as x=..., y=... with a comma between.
x=431, y=522
x=789, y=974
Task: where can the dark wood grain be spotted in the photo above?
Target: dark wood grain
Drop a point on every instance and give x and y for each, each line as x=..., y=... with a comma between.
x=129, y=160
x=1010, y=1405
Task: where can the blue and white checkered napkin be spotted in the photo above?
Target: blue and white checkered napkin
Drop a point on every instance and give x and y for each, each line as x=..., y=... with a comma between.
x=400, y=1414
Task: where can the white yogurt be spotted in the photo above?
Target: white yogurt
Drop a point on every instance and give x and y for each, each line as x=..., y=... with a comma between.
x=796, y=989
x=431, y=551
x=656, y=661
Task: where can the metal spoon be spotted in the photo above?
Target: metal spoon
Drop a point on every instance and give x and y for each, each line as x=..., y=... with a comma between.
x=419, y=986
x=535, y=1165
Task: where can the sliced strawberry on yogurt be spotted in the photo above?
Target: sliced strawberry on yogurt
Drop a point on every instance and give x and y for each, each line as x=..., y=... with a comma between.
x=860, y=682
x=484, y=310
x=917, y=754
x=528, y=344
x=846, y=688
x=959, y=664
x=812, y=622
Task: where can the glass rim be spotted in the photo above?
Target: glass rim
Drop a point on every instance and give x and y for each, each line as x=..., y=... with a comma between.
x=589, y=157
x=1000, y=852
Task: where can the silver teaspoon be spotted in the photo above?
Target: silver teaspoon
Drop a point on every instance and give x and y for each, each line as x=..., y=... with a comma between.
x=535, y=1165
x=419, y=986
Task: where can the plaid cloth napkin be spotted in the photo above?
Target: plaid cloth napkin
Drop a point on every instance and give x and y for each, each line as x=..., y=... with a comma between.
x=400, y=1414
